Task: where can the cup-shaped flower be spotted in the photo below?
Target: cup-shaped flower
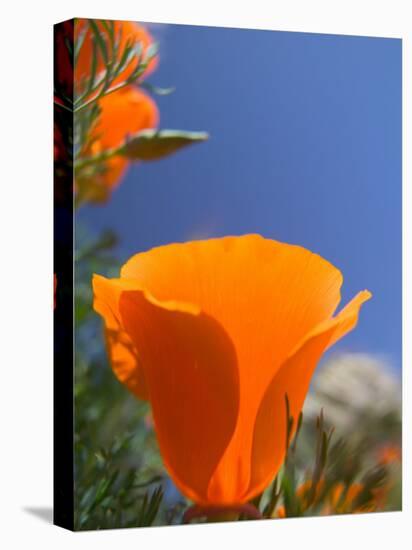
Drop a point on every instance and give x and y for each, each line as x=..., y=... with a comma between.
x=215, y=333
x=123, y=113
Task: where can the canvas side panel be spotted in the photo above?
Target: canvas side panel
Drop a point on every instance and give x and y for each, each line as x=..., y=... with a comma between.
x=63, y=276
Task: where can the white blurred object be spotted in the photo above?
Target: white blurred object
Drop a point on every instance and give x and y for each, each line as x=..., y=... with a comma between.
x=354, y=388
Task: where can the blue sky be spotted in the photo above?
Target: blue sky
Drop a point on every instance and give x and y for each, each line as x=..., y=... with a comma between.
x=305, y=147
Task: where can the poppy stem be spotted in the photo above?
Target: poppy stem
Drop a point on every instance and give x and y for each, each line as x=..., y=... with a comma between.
x=216, y=513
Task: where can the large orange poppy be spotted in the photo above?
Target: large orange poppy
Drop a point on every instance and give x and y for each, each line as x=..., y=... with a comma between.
x=215, y=333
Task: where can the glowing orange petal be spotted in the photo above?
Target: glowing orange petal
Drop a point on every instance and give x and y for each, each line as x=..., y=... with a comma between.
x=259, y=289
x=130, y=31
x=293, y=379
x=121, y=350
x=191, y=373
x=267, y=295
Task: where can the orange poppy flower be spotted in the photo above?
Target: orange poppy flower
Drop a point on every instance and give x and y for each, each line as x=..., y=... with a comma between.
x=127, y=31
x=123, y=113
x=215, y=333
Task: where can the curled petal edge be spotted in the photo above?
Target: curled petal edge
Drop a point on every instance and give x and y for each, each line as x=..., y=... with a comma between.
x=293, y=378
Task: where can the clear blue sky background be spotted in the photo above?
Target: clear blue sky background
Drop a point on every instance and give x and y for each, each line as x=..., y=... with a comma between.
x=305, y=147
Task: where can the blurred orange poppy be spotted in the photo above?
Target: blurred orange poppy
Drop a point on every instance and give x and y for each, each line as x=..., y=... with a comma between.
x=215, y=333
x=389, y=454
x=125, y=31
x=344, y=501
x=340, y=499
x=304, y=494
x=123, y=113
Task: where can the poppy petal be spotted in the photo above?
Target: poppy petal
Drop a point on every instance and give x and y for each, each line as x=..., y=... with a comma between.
x=191, y=371
x=191, y=375
x=266, y=294
x=123, y=113
x=293, y=379
x=120, y=348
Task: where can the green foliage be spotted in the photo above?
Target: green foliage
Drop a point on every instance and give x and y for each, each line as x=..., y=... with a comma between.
x=109, y=494
x=119, y=476
x=340, y=480
x=156, y=144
